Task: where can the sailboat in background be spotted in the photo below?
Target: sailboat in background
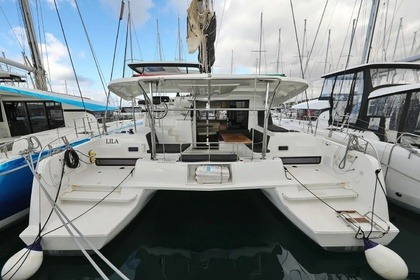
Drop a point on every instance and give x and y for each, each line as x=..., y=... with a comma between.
x=379, y=102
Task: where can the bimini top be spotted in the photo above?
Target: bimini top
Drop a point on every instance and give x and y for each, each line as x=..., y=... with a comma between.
x=87, y=104
x=164, y=68
x=205, y=85
x=397, y=89
x=390, y=65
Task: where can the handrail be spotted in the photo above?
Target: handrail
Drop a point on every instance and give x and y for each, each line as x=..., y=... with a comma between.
x=398, y=140
x=353, y=144
x=408, y=147
x=32, y=141
x=86, y=127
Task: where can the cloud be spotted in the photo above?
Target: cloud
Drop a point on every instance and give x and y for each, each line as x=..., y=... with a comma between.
x=239, y=30
x=58, y=67
x=140, y=9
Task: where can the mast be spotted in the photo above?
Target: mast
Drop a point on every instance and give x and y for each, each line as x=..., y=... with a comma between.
x=40, y=79
x=304, y=38
x=414, y=43
x=260, y=49
x=396, y=40
x=369, y=35
x=179, y=43
x=326, y=54
x=158, y=43
x=278, y=53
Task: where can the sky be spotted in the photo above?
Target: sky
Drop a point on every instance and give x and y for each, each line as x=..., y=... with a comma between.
x=241, y=26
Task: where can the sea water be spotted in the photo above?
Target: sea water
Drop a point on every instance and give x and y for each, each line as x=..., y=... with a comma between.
x=220, y=235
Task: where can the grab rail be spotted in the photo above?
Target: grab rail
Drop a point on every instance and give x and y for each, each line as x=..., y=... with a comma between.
x=33, y=144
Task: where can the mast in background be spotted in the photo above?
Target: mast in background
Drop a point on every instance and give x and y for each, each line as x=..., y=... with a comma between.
x=278, y=62
x=258, y=64
x=179, y=44
x=370, y=31
x=328, y=49
x=158, y=43
x=40, y=79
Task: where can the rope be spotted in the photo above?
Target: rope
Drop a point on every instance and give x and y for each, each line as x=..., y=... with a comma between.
x=70, y=57
x=71, y=158
x=93, y=206
x=306, y=188
x=95, y=58
x=61, y=215
x=115, y=50
x=37, y=240
x=335, y=210
x=316, y=36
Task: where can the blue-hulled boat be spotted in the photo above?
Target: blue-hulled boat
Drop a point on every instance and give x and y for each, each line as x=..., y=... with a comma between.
x=30, y=120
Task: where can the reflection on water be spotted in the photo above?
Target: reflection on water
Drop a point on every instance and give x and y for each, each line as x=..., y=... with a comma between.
x=220, y=235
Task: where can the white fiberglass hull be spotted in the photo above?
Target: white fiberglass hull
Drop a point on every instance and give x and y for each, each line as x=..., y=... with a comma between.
x=125, y=190
x=323, y=225
x=399, y=163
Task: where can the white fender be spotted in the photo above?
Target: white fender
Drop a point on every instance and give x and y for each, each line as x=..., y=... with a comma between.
x=384, y=261
x=24, y=263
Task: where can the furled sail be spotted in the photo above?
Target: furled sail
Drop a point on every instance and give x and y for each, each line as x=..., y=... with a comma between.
x=201, y=32
x=194, y=34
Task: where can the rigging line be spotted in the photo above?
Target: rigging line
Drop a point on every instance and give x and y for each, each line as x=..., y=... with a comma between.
x=297, y=40
x=115, y=52
x=391, y=24
x=300, y=57
x=379, y=40
x=345, y=37
x=11, y=28
x=220, y=24
x=63, y=217
x=40, y=19
x=93, y=206
x=95, y=58
x=137, y=40
x=306, y=188
x=316, y=36
x=71, y=59
x=127, y=30
x=352, y=34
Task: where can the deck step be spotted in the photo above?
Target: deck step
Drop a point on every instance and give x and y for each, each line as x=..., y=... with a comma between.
x=89, y=196
x=330, y=193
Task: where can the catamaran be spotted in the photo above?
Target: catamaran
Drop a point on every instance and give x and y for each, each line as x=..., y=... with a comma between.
x=331, y=192
x=378, y=102
x=226, y=141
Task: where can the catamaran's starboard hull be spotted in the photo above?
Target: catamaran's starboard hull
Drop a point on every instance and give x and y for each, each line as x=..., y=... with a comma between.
x=323, y=225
